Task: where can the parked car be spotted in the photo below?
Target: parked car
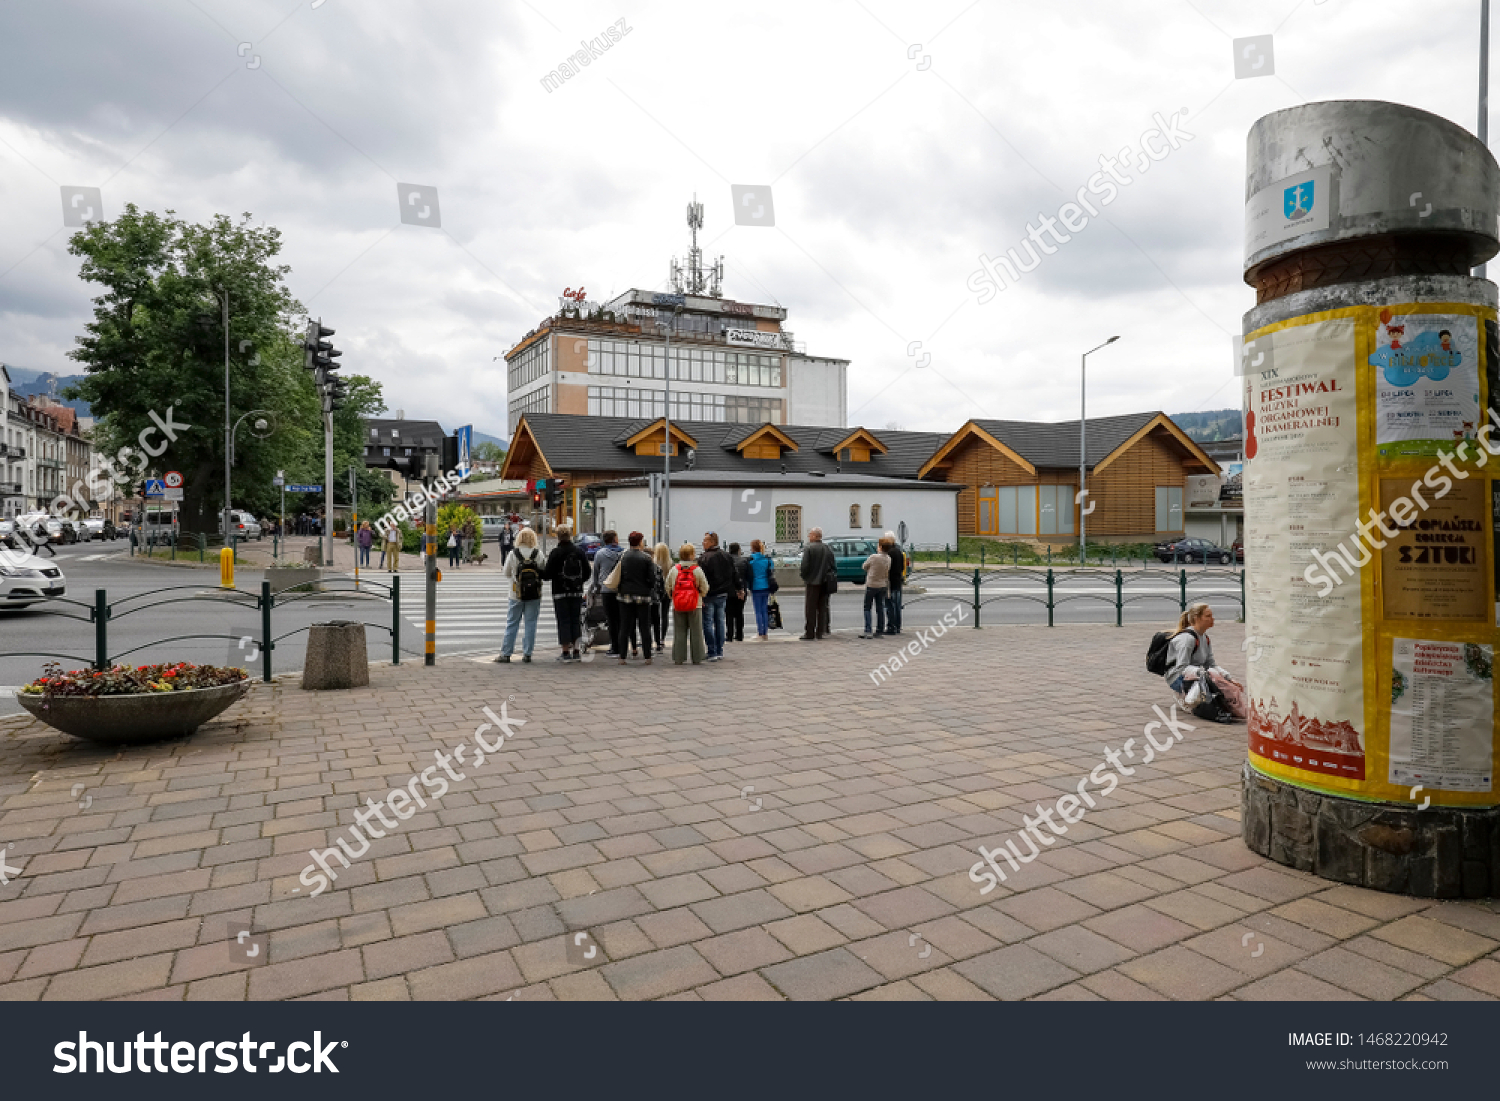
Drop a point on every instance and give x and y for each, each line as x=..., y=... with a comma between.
x=589, y=543
x=1239, y=551
x=850, y=552
x=158, y=528
x=1193, y=549
x=27, y=579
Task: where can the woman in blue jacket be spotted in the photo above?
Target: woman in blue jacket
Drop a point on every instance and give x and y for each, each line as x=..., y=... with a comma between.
x=762, y=569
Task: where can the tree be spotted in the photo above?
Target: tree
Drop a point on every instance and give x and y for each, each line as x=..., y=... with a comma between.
x=488, y=451
x=154, y=352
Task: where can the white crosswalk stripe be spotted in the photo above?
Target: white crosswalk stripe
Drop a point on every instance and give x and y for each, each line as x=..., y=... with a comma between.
x=472, y=610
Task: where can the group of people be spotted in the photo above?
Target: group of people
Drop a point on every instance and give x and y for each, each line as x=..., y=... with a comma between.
x=640, y=592
x=885, y=577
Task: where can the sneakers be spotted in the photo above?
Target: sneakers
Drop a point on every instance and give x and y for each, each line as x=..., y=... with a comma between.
x=504, y=659
x=565, y=656
x=526, y=658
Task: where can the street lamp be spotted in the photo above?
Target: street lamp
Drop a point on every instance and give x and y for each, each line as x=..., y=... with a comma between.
x=666, y=448
x=1083, y=426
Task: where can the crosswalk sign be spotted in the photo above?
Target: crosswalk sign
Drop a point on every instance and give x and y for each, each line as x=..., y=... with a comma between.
x=155, y=488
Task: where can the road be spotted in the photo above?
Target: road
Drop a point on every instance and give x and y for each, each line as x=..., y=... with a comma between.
x=471, y=613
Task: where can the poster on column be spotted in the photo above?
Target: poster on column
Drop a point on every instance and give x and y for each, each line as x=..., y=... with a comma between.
x=1301, y=488
x=1426, y=382
x=1442, y=714
x=1434, y=566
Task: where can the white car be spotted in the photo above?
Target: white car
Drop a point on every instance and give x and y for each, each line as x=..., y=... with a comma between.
x=26, y=579
x=91, y=529
x=243, y=525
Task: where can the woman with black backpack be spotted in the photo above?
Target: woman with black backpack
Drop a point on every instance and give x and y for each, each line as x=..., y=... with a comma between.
x=1202, y=686
x=567, y=568
x=524, y=570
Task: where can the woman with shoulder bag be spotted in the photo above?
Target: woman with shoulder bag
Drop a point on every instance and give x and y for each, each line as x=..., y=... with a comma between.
x=762, y=585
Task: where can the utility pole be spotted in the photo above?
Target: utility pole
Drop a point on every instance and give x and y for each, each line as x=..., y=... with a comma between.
x=1083, y=405
x=228, y=431
x=1484, y=87
x=666, y=447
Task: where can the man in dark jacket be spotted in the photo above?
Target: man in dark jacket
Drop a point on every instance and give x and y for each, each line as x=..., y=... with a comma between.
x=567, y=568
x=818, y=571
x=898, y=579
x=636, y=594
x=734, y=608
x=718, y=567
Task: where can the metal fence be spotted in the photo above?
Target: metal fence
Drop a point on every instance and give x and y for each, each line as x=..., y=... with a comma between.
x=102, y=612
x=1053, y=587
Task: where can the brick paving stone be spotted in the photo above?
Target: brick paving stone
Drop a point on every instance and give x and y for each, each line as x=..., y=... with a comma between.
x=112, y=980
x=749, y=987
x=275, y=981
x=1360, y=975
x=471, y=978
x=1183, y=974
x=1333, y=920
x=1388, y=953
x=1442, y=942
x=1446, y=990
x=946, y=985
x=836, y=973
x=745, y=950
x=1293, y=986
x=1081, y=949
x=678, y=890
x=657, y=974
x=403, y=954
x=1045, y=908
x=1115, y=987
x=806, y=934
x=1014, y=972
x=724, y=915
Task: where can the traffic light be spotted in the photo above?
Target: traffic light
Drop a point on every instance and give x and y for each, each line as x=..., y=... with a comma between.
x=337, y=391
x=536, y=500
x=320, y=352
x=555, y=488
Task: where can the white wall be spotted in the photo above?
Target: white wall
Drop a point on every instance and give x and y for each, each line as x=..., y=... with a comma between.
x=817, y=392
x=931, y=515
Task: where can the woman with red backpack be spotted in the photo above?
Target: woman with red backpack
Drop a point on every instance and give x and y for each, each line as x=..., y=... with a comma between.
x=688, y=586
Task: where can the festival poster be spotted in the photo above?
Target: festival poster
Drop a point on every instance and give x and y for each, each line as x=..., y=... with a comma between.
x=1442, y=714
x=1435, y=566
x=1305, y=663
x=1426, y=382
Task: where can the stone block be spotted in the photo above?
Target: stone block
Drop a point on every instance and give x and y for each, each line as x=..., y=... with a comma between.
x=336, y=656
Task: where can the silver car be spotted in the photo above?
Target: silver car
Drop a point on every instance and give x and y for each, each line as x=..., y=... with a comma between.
x=26, y=579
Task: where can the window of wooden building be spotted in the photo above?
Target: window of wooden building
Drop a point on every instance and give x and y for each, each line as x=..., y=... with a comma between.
x=788, y=523
x=853, y=516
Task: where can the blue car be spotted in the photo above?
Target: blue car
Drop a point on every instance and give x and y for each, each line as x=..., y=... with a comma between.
x=590, y=544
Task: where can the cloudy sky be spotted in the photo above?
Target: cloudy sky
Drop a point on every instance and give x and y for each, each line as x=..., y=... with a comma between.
x=899, y=142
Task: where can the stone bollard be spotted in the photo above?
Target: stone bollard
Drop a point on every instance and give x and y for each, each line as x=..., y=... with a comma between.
x=313, y=555
x=336, y=656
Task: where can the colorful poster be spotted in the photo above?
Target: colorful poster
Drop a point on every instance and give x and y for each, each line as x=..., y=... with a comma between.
x=1426, y=382
x=1301, y=479
x=1434, y=566
x=1442, y=714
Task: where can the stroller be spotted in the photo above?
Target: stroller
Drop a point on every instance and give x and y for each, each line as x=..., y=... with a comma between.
x=595, y=623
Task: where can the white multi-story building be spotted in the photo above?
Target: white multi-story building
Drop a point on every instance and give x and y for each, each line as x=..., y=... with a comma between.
x=730, y=361
x=42, y=452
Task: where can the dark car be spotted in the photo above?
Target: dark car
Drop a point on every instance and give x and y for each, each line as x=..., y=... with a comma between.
x=589, y=543
x=1239, y=551
x=1193, y=549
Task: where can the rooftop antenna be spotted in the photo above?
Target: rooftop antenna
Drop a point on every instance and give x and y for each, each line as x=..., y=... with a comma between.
x=693, y=279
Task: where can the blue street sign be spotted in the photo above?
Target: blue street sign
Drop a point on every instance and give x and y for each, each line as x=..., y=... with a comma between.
x=155, y=488
x=304, y=489
x=465, y=444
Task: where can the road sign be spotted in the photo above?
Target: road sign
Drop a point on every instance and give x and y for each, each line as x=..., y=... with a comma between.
x=901, y=532
x=278, y=481
x=173, y=480
x=154, y=488
x=465, y=445
x=305, y=489
x=172, y=494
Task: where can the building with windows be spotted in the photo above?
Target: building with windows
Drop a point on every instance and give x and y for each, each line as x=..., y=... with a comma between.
x=1009, y=480
x=731, y=362
x=400, y=447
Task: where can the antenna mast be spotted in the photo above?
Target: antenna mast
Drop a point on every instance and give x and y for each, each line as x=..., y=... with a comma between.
x=693, y=279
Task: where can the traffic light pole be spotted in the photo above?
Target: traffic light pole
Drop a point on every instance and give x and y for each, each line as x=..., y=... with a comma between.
x=327, y=485
x=430, y=536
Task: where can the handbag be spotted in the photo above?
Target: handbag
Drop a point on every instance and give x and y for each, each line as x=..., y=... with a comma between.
x=773, y=588
x=773, y=610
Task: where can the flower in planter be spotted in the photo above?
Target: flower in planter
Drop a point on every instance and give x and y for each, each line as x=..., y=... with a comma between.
x=121, y=680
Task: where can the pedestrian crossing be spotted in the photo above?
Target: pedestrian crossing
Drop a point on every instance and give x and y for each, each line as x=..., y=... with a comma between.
x=471, y=611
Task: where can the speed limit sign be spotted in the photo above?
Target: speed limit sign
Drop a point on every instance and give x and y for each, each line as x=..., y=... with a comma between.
x=173, y=480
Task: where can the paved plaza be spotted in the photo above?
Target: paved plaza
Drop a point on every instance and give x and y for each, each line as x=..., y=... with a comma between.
x=773, y=826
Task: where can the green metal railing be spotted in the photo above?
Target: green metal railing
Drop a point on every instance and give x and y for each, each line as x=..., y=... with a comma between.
x=101, y=613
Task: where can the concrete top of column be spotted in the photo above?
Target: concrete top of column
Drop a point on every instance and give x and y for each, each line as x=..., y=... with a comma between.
x=1345, y=169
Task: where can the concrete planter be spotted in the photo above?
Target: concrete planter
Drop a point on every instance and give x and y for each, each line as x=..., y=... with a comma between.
x=130, y=720
x=288, y=577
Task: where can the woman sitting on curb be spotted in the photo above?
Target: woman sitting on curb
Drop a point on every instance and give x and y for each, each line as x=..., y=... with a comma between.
x=1191, y=669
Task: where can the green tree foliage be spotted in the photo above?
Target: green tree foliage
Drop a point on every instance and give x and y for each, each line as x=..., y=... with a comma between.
x=157, y=342
x=487, y=451
x=1210, y=425
x=453, y=516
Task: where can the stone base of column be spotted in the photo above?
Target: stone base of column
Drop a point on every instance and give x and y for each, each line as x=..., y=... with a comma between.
x=1440, y=852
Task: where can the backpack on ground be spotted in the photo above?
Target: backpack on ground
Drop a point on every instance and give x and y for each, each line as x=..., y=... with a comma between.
x=684, y=591
x=528, y=577
x=1156, y=653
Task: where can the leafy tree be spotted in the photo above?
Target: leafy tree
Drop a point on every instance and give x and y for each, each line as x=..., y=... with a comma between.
x=157, y=343
x=487, y=451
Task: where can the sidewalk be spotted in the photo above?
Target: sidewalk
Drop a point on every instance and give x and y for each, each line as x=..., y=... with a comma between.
x=772, y=826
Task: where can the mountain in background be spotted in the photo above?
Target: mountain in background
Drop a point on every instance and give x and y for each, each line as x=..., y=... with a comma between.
x=1210, y=425
x=485, y=437
x=27, y=381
